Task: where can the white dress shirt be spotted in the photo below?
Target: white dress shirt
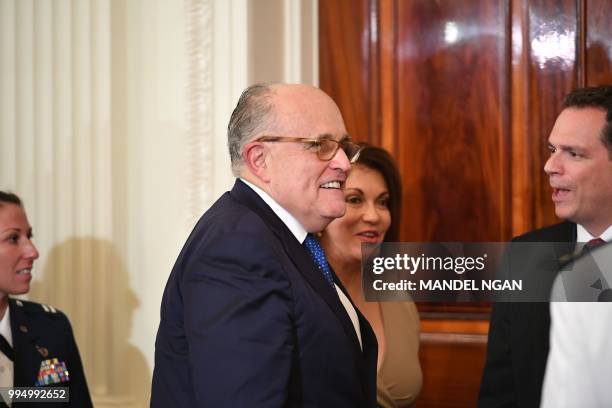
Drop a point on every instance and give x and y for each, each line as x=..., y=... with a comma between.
x=579, y=365
x=300, y=234
x=582, y=235
x=6, y=365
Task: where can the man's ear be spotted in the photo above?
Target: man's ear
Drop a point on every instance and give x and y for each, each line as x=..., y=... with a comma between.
x=254, y=155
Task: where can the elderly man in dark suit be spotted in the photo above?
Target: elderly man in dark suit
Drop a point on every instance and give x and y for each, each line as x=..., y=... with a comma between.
x=252, y=315
x=580, y=172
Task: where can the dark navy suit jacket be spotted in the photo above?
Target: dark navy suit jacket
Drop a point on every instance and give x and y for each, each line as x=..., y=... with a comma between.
x=247, y=320
x=517, y=349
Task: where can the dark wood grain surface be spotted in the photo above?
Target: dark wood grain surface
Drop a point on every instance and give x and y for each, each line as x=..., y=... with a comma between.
x=464, y=95
x=552, y=73
x=451, y=78
x=344, y=55
x=598, y=39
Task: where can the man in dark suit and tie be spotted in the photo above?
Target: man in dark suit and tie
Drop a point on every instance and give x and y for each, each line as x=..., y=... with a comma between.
x=580, y=172
x=252, y=315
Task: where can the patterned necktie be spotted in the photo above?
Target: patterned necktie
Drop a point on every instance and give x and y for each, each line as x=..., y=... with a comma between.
x=606, y=294
x=318, y=256
x=594, y=243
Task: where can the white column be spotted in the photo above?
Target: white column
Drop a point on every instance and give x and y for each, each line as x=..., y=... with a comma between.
x=230, y=78
x=102, y=273
x=42, y=211
x=199, y=143
x=8, y=95
x=64, y=167
x=24, y=132
x=292, y=46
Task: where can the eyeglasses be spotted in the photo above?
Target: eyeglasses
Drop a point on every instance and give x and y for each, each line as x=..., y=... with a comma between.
x=326, y=148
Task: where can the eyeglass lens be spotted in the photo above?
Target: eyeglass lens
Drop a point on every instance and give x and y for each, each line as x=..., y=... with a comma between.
x=328, y=148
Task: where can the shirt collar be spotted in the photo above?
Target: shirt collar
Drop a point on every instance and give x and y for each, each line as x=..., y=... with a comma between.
x=5, y=326
x=289, y=220
x=582, y=235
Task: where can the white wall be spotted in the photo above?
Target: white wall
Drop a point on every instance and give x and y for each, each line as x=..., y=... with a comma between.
x=112, y=130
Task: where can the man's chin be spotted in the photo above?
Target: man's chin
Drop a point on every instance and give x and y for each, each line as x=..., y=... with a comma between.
x=335, y=213
x=323, y=221
x=563, y=212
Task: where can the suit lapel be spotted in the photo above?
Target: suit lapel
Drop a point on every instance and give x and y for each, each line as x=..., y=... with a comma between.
x=27, y=359
x=567, y=236
x=563, y=239
x=536, y=316
x=368, y=357
x=298, y=255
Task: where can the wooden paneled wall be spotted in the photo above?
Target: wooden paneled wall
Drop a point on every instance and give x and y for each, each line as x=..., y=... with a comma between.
x=464, y=95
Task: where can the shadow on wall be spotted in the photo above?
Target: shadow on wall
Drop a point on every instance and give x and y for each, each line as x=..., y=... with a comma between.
x=87, y=280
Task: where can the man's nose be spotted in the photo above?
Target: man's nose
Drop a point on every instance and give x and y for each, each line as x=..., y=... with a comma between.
x=552, y=165
x=340, y=161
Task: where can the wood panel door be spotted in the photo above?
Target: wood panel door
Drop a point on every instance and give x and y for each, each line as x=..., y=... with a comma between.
x=464, y=95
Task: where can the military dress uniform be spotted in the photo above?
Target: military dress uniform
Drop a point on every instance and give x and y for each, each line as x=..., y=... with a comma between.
x=44, y=353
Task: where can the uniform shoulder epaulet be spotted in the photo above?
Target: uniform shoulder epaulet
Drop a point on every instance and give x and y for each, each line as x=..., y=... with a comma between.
x=37, y=307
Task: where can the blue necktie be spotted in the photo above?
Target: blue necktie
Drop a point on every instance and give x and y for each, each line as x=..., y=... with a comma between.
x=318, y=256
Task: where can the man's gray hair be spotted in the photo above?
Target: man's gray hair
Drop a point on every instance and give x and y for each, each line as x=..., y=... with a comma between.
x=251, y=115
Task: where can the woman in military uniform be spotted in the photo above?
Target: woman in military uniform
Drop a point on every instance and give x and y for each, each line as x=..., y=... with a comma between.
x=37, y=347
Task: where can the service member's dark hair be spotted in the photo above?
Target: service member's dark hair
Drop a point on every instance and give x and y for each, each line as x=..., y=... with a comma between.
x=380, y=160
x=9, y=198
x=599, y=97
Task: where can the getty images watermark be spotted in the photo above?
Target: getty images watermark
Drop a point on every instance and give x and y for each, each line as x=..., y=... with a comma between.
x=468, y=272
